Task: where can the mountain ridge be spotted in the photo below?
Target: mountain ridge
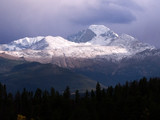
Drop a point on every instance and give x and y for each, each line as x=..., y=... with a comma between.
x=101, y=42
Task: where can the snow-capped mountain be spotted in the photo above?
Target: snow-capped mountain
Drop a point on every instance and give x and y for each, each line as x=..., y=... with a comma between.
x=101, y=35
x=97, y=52
x=37, y=43
x=92, y=32
x=21, y=44
x=97, y=42
x=48, y=48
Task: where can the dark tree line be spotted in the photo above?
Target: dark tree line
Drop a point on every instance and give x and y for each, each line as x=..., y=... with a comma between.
x=138, y=100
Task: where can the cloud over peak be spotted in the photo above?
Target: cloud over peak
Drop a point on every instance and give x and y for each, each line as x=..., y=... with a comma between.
x=20, y=18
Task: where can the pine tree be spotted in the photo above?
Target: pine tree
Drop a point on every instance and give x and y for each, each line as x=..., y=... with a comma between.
x=77, y=96
x=86, y=94
x=66, y=93
x=98, y=91
x=92, y=94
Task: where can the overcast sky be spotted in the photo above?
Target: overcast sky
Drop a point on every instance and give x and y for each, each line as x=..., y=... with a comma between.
x=21, y=18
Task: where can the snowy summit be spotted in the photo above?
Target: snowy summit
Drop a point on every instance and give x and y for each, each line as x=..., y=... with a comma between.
x=95, y=41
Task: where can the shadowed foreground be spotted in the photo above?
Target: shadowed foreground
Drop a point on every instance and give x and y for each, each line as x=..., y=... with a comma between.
x=132, y=101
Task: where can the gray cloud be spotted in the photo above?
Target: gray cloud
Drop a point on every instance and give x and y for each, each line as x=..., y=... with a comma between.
x=131, y=4
x=106, y=15
x=146, y=28
x=109, y=11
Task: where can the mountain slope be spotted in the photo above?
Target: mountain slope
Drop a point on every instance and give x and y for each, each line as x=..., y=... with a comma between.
x=6, y=64
x=35, y=75
x=144, y=64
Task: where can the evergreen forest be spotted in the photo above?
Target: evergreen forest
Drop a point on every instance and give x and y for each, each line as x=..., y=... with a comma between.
x=136, y=100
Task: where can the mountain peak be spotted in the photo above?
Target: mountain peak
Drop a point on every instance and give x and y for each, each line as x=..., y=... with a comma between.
x=99, y=29
x=57, y=42
x=93, y=32
x=102, y=35
x=27, y=40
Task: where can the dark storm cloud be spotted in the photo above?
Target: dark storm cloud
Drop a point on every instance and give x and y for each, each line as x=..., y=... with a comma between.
x=147, y=27
x=27, y=18
x=106, y=16
x=131, y=4
x=21, y=18
x=109, y=11
x=31, y=18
